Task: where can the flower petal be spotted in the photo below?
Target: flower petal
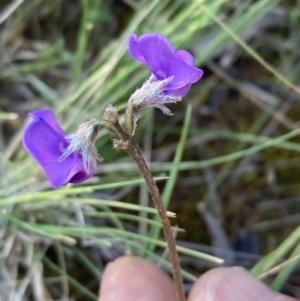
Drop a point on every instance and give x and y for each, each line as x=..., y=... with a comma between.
x=81, y=175
x=163, y=60
x=133, y=48
x=190, y=60
x=46, y=145
x=49, y=117
x=186, y=57
x=178, y=92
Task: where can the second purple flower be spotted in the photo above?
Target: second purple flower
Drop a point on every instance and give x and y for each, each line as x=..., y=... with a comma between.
x=164, y=61
x=64, y=158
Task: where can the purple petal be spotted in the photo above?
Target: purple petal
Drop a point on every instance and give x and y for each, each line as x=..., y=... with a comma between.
x=190, y=60
x=186, y=57
x=46, y=145
x=163, y=60
x=178, y=92
x=133, y=48
x=49, y=117
x=82, y=176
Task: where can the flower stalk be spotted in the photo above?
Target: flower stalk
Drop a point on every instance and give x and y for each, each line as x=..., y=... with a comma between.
x=129, y=117
x=129, y=146
x=135, y=153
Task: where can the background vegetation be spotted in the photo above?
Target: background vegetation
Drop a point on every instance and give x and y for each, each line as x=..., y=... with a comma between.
x=227, y=162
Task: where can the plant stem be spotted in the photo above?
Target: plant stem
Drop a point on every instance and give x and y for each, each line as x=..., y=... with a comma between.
x=129, y=118
x=135, y=153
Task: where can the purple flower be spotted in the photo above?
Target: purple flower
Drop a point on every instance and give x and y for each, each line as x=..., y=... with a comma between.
x=54, y=150
x=164, y=61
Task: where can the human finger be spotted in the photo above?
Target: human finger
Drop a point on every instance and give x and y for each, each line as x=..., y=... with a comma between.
x=132, y=278
x=232, y=284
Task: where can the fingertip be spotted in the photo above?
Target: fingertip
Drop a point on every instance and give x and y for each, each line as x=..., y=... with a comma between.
x=132, y=278
x=206, y=285
x=231, y=284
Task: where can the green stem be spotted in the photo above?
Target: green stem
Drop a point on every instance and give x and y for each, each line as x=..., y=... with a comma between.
x=129, y=118
x=108, y=125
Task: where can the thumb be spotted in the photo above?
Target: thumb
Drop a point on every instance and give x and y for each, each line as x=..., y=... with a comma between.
x=232, y=284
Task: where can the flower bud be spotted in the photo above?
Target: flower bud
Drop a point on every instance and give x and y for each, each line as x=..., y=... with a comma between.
x=111, y=114
x=120, y=144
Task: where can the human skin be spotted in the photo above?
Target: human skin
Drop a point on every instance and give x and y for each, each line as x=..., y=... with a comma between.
x=135, y=279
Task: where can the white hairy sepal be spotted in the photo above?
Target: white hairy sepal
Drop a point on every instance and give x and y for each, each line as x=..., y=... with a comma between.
x=83, y=142
x=151, y=95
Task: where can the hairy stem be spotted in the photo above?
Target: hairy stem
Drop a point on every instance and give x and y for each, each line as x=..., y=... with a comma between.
x=129, y=118
x=109, y=126
x=135, y=153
